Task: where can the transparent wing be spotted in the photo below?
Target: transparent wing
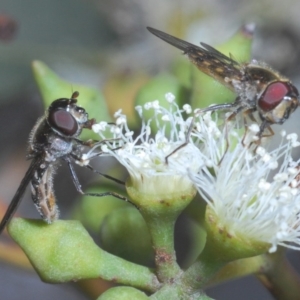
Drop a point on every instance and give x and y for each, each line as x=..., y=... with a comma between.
x=207, y=59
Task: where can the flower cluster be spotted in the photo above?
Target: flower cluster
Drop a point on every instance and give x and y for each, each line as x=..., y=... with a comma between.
x=158, y=163
x=250, y=192
x=253, y=191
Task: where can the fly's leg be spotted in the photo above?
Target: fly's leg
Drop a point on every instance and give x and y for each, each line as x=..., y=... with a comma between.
x=210, y=108
x=77, y=158
x=264, y=125
x=105, y=175
x=79, y=189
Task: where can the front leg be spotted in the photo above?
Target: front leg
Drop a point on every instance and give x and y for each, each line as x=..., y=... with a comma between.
x=79, y=189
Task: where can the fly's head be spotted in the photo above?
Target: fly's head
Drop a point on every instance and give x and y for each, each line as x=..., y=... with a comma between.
x=277, y=101
x=66, y=118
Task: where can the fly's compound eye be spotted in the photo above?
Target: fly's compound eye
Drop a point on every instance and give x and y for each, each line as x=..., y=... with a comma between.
x=275, y=93
x=63, y=122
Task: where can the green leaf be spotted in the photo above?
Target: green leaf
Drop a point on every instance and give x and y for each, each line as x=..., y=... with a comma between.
x=64, y=251
x=123, y=293
x=59, y=252
x=53, y=87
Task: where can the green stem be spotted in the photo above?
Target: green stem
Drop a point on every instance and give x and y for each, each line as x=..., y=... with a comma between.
x=160, y=207
x=198, y=274
x=162, y=233
x=178, y=291
x=278, y=276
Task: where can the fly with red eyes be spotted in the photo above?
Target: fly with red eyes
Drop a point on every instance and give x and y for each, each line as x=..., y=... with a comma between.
x=258, y=88
x=54, y=138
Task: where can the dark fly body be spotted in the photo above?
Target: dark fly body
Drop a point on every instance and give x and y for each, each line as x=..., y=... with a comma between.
x=258, y=88
x=54, y=138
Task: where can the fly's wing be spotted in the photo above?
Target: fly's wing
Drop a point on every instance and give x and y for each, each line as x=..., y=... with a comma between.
x=207, y=59
x=19, y=193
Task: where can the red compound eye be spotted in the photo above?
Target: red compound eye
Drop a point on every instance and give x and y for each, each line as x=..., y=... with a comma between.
x=273, y=95
x=63, y=121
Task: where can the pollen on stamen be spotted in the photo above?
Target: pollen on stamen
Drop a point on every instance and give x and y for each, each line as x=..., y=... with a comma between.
x=281, y=177
x=264, y=185
x=148, y=105
x=105, y=148
x=129, y=134
x=294, y=183
x=84, y=161
x=118, y=113
x=139, y=110
x=165, y=118
x=155, y=105
x=293, y=171
x=283, y=133
x=121, y=120
x=293, y=137
x=170, y=97
x=260, y=151
x=187, y=108
x=99, y=127
x=254, y=128
x=116, y=130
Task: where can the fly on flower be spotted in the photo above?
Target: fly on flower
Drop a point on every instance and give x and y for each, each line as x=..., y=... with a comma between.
x=258, y=87
x=54, y=138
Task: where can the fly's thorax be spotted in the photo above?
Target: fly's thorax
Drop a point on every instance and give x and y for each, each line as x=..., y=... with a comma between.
x=45, y=141
x=261, y=74
x=38, y=137
x=58, y=146
x=246, y=93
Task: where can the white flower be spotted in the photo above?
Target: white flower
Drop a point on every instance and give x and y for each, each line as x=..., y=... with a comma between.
x=250, y=192
x=146, y=156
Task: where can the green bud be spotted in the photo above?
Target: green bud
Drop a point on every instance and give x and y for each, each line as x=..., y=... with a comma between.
x=119, y=235
x=91, y=211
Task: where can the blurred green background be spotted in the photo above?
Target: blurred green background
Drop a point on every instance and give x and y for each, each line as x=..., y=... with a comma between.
x=105, y=44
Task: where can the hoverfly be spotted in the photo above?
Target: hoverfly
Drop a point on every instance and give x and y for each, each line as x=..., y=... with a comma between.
x=257, y=87
x=54, y=138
